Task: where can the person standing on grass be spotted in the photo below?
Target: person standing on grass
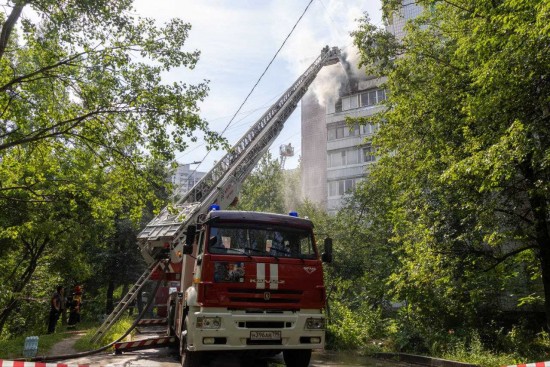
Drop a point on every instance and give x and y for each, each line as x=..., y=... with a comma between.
x=55, y=309
x=74, y=316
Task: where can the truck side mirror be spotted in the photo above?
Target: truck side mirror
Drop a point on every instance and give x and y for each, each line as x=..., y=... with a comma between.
x=189, y=239
x=327, y=255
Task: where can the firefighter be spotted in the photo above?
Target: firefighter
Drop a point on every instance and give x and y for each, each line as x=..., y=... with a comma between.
x=76, y=302
x=55, y=308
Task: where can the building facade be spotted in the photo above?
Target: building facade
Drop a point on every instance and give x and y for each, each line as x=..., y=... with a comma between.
x=335, y=156
x=184, y=178
x=408, y=10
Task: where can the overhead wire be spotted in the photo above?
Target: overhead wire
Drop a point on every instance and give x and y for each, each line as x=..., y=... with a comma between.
x=260, y=78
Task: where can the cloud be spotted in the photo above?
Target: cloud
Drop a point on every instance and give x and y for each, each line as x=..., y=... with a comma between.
x=238, y=38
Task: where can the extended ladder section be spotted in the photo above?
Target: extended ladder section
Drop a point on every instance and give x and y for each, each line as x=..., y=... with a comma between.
x=222, y=183
x=124, y=303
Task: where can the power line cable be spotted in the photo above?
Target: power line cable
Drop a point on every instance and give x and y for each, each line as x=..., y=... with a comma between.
x=261, y=76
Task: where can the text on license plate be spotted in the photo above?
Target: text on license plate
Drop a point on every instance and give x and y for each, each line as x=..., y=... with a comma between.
x=265, y=335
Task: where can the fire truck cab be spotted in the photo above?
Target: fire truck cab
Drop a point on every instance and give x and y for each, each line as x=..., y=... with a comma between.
x=256, y=288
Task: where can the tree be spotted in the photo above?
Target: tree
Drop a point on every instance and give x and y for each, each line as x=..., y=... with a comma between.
x=84, y=114
x=292, y=188
x=263, y=188
x=464, y=148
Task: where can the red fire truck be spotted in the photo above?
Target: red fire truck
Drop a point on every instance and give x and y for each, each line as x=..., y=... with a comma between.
x=250, y=282
x=256, y=288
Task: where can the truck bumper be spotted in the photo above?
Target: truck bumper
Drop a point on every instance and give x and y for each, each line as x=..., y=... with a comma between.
x=242, y=330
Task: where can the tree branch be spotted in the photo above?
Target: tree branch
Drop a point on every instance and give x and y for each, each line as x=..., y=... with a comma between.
x=46, y=132
x=39, y=71
x=500, y=260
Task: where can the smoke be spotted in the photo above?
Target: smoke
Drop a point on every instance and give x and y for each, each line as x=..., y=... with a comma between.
x=340, y=18
x=341, y=78
x=326, y=86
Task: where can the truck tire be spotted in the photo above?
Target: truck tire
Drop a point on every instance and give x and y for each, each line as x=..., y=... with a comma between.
x=188, y=359
x=297, y=357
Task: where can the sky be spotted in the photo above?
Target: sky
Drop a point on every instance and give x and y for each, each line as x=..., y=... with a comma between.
x=237, y=40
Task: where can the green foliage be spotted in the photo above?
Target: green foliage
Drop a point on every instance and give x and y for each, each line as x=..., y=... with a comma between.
x=353, y=324
x=114, y=333
x=347, y=331
x=13, y=348
x=451, y=221
x=88, y=128
x=263, y=188
x=473, y=351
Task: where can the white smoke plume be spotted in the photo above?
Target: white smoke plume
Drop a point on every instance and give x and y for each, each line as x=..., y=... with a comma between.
x=340, y=19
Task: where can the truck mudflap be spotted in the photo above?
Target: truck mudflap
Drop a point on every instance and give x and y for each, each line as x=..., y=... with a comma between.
x=234, y=331
x=156, y=342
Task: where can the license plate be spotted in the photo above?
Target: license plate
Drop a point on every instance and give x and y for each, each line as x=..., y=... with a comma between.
x=265, y=335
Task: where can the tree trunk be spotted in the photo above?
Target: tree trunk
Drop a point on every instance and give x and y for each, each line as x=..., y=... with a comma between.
x=8, y=26
x=6, y=312
x=35, y=249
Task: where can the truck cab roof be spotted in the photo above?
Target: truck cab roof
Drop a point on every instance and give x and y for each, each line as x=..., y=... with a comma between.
x=257, y=217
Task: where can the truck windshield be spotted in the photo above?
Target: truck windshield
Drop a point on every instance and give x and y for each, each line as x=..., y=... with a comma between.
x=274, y=241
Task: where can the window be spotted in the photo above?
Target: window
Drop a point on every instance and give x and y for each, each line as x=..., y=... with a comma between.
x=372, y=97
x=346, y=157
x=330, y=108
x=254, y=241
x=364, y=99
x=335, y=159
x=333, y=188
x=353, y=131
x=353, y=101
x=338, y=106
x=380, y=95
x=353, y=157
x=368, y=154
x=345, y=103
x=331, y=133
x=341, y=130
x=341, y=187
x=370, y=129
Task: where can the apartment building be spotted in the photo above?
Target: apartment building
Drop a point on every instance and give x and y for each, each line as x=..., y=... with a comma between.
x=335, y=156
x=184, y=178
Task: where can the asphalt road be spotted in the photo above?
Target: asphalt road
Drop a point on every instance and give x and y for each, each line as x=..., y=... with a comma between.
x=166, y=357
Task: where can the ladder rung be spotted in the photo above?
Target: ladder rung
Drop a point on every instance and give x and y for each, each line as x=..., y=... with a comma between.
x=123, y=304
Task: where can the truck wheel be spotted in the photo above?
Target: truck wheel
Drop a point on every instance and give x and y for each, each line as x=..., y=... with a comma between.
x=297, y=357
x=188, y=359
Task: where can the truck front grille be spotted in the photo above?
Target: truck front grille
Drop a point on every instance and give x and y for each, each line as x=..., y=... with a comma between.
x=264, y=296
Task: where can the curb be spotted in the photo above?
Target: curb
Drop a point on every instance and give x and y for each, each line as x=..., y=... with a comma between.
x=535, y=364
x=425, y=361
x=4, y=363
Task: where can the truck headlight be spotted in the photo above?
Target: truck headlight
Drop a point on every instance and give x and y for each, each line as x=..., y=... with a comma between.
x=209, y=322
x=314, y=323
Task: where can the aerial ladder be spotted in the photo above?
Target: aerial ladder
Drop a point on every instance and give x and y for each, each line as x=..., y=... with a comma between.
x=164, y=236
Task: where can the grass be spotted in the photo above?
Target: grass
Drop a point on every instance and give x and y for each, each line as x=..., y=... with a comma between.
x=13, y=348
x=116, y=331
